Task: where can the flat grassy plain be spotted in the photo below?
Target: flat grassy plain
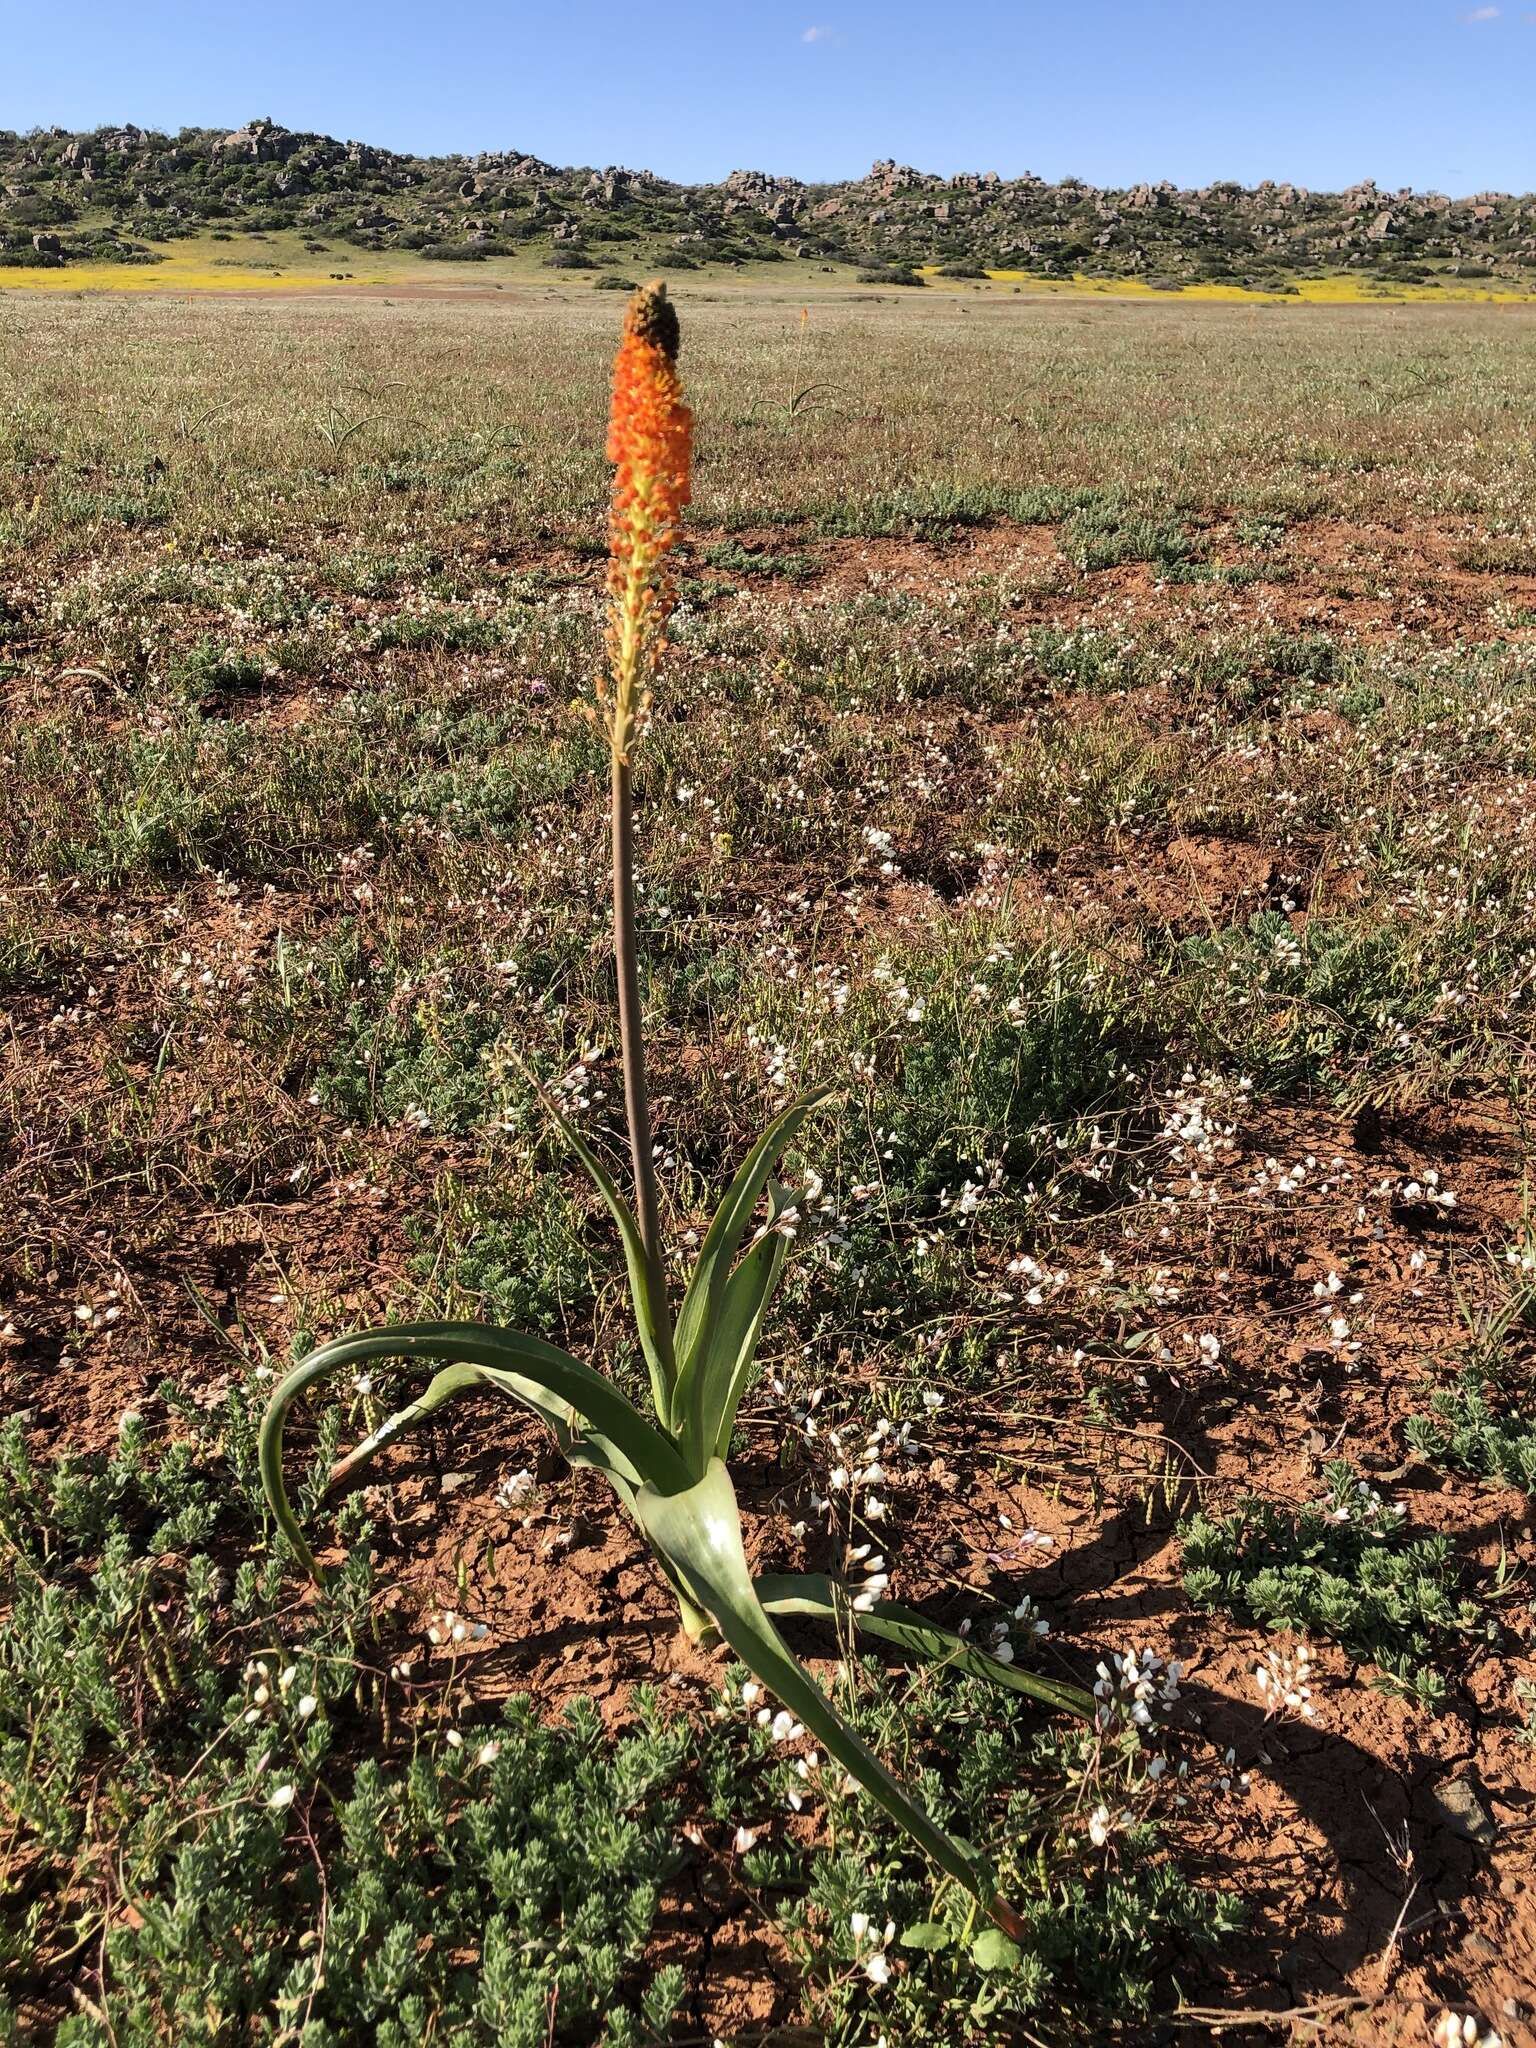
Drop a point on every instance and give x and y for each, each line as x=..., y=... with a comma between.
x=284, y=261
x=1097, y=736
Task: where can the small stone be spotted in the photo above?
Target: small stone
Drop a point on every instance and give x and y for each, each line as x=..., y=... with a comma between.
x=1459, y=1807
x=1415, y=1477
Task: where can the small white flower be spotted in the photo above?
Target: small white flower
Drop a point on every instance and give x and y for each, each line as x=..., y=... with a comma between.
x=488, y=1752
x=1462, y=2030
x=1026, y=1615
x=282, y=1797
x=1099, y=1826
x=307, y=1705
x=744, y=1839
x=516, y=1490
x=454, y=1739
x=877, y=1969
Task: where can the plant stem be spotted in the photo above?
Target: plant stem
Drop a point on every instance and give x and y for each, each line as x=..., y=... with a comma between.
x=637, y=1102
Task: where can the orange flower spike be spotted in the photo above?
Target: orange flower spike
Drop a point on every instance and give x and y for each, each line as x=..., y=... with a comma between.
x=650, y=435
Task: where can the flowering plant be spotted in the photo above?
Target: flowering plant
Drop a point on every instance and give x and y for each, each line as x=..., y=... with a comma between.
x=669, y=1469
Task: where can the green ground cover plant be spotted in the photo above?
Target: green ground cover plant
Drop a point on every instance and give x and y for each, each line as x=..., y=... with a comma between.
x=1468, y=1432
x=1346, y=1567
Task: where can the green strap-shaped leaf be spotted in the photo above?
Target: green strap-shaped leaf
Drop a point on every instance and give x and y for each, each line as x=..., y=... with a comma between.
x=553, y=1374
x=726, y=1375
x=703, y=1303
x=578, y=1446
x=814, y=1594
x=653, y=1318
x=698, y=1531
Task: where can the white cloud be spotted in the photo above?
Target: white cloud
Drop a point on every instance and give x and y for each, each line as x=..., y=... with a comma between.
x=1482, y=14
x=818, y=34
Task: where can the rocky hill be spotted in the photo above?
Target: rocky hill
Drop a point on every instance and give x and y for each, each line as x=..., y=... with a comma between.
x=119, y=193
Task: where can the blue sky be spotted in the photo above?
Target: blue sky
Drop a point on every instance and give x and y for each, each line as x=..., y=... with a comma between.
x=1323, y=92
